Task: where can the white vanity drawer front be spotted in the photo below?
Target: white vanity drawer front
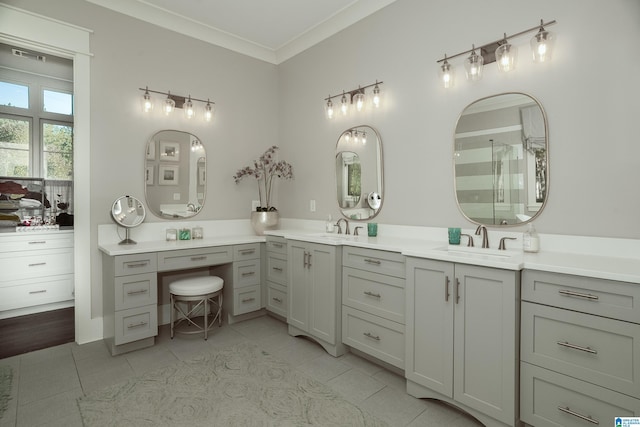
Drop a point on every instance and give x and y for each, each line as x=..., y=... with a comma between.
x=376, y=261
x=193, y=258
x=277, y=268
x=591, y=348
x=549, y=399
x=29, y=242
x=608, y=298
x=277, y=299
x=248, y=251
x=27, y=293
x=246, y=273
x=377, y=337
x=246, y=300
x=135, y=324
x=136, y=290
x=277, y=244
x=135, y=264
x=27, y=265
x=374, y=293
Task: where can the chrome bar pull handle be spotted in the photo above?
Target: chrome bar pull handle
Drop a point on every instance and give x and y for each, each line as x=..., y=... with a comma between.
x=588, y=418
x=278, y=300
x=370, y=335
x=446, y=288
x=248, y=299
x=198, y=258
x=247, y=251
x=577, y=347
x=37, y=264
x=567, y=293
x=248, y=273
x=372, y=261
x=42, y=291
x=277, y=269
x=136, y=325
x=304, y=264
x=309, y=262
x=137, y=264
x=37, y=242
x=457, y=290
x=371, y=294
x=138, y=292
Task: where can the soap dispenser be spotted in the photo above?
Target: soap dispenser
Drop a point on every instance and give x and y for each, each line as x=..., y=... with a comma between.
x=530, y=240
x=329, y=225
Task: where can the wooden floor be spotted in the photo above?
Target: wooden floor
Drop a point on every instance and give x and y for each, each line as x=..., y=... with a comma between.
x=36, y=331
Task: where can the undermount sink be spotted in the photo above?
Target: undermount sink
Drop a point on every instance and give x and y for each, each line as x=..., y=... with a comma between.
x=333, y=236
x=473, y=252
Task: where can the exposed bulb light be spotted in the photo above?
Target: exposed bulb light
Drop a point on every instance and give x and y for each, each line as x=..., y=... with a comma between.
x=473, y=65
x=329, y=109
x=353, y=101
x=355, y=137
x=376, y=95
x=363, y=137
x=208, y=111
x=347, y=136
x=189, y=112
x=169, y=105
x=344, y=104
x=446, y=73
x=506, y=56
x=147, y=103
x=542, y=44
x=359, y=100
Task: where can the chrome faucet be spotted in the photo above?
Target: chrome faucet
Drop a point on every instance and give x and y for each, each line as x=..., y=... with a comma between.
x=346, y=226
x=191, y=207
x=483, y=230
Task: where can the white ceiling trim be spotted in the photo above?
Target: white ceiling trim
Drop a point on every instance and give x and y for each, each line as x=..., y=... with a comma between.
x=187, y=26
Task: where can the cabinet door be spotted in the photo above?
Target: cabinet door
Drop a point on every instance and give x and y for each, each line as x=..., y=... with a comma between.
x=298, y=287
x=429, y=324
x=321, y=263
x=485, y=340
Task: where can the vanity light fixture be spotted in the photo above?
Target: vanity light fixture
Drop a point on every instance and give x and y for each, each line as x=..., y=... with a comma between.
x=355, y=97
x=172, y=102
x=500, y=51
x=358, y=136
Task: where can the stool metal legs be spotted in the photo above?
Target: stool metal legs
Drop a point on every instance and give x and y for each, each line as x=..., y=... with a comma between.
x=202, y=300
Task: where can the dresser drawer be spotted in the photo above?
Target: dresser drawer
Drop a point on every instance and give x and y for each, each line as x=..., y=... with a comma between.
x=373, y=335
x=248, y=251
x=246, y=300
x=31, y=292
x=135, y=324
x=136, y=290
x=591, y=348
x=374, y=293
x=277, y=299
x=28, y=265
x=277, y=245
x=15, y=242
x=246, y=273
x=276, y=268
x=390, y=263
x=135, y=264
x=193, y=258
x=608, y=298
x=548, y=399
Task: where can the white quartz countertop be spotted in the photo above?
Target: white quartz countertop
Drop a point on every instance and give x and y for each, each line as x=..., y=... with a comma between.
x=114, y=249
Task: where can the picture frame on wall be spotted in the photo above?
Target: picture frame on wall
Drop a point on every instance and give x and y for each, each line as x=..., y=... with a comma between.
x=148, y=174
x=202, y=175
x=168, y=175
x=170, y=151
x=151, y=150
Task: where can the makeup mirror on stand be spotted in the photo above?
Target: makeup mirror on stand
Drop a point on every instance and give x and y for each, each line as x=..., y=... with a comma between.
x=128, y=212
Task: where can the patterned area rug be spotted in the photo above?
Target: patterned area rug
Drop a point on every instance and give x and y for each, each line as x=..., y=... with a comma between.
x=6, y=377
x=241, y=385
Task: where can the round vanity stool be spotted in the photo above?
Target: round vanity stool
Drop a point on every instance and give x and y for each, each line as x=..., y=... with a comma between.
x=206, y=292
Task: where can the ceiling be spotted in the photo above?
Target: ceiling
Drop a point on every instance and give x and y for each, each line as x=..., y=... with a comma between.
x=270, y=30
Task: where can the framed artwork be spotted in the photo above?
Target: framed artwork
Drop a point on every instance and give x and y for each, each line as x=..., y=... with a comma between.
x=202, y=175
x=151, y=150
x=170, y=151
x=168, y=175
x=148, y=175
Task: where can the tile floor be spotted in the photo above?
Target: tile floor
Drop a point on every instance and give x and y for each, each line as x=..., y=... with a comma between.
x=46, y=383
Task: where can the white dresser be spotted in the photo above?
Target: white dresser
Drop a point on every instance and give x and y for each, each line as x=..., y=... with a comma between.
x=37, y=272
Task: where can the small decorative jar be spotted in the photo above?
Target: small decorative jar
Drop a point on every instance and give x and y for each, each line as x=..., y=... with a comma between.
x=172, y=234
x=197, y=233
x=184, y=234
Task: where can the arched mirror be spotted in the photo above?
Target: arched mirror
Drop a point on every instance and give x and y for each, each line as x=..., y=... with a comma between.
x=501, y=160
x=175, y=174
x=359, y=182
x=128, y=212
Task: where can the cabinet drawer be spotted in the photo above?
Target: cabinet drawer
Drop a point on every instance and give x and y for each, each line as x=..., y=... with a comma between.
x=135, y=264
x=277, y=299
x=246, y=273
x=248, y=251
x=374, y=293
x=277, y=268
x=12, y=242
x=608, y=298
x=135, y=324
x=136, y=290
x=28, y=265
x=591, y=348
x=193, y=258
x=373, y=335
x=390, y=263
x=277, y=245
x=548, y=399
x=31, y=292
x=246, y=300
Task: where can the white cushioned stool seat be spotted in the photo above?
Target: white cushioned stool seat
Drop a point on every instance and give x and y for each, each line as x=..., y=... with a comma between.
x=203, y=291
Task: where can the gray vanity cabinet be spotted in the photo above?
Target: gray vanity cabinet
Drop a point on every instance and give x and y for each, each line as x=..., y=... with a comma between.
x=276, y=273
x=314, y=297
x=462, y=337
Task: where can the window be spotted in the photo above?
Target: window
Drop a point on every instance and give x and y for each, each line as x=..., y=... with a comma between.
x=14, y=146
x=14, y=95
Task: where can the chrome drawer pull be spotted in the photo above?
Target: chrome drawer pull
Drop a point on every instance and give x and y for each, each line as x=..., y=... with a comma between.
x=141, y=291
x=276, y=245
x=277, y=268
x=372, y=261
x=138, y=264
x=38, y=292
x=278, y=300
x=37, y=264
x=198, y=258
x=38, y=242
x=248, y=299
x=137, y=325
x=577, y=347
x=567, y=410
x=247, y=251
x=446, y=288
x=578, y=295
x=373, y=337
x=249, y=273
x=371, y=294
